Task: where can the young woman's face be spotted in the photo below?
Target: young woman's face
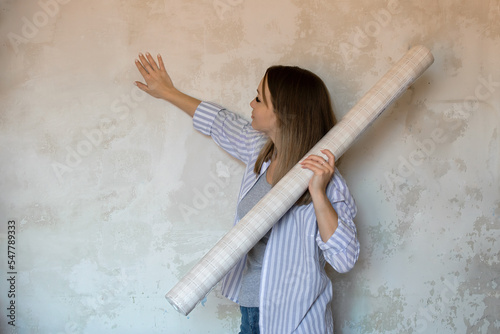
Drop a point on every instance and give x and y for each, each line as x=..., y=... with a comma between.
x=263, y=116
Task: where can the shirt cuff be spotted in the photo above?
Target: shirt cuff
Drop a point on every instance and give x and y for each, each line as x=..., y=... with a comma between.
x=204, y=117
x=339, y=241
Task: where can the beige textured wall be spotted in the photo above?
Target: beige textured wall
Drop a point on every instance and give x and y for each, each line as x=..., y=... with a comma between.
x=115, y=196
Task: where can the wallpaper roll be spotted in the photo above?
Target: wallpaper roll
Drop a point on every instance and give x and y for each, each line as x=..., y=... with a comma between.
x=198, y=282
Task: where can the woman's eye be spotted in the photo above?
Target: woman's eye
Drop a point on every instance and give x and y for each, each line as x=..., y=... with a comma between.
x=257, y=99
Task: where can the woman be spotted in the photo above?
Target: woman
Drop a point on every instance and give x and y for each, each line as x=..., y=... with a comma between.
x=281, y=285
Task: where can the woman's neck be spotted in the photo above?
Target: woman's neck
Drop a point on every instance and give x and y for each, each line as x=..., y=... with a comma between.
x=270, y=171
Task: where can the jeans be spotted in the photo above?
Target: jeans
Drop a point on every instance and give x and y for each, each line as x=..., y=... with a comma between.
x=249, y=320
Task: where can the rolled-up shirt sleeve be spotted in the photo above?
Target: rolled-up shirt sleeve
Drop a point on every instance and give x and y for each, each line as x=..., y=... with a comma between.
x=204, y=117
x=230, y=131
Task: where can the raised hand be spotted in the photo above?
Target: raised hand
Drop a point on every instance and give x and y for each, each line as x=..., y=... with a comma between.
x=326, y=216
x=323, y=171
x=158, y=83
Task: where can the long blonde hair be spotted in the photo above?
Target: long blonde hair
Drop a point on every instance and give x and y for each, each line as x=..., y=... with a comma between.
x=304, y=115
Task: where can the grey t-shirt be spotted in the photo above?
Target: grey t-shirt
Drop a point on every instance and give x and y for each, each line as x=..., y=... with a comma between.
x=250, y=283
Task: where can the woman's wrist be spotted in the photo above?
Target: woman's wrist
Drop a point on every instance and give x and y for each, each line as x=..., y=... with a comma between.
x=171, y=94
x=319, y=196
x=185, y=102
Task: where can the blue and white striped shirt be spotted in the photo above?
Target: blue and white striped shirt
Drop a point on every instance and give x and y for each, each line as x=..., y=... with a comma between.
x=295, y=291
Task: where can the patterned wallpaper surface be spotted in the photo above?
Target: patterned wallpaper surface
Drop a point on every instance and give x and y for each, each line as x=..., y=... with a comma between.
x=115, y=196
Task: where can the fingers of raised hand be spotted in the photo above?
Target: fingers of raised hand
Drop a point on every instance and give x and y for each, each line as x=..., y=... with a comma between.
x=331, y=157
x=141, y=68
x=147, y=63
x=318, y=164
x=151, y=62
x=160, y=63
x=322, y=170
x=315, y=161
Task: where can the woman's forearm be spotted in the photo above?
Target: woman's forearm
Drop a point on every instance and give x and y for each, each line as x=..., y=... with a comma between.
x=326, y=215
x=186, y=103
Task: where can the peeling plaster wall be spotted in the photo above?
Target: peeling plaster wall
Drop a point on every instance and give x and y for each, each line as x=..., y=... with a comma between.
x=115, y=196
